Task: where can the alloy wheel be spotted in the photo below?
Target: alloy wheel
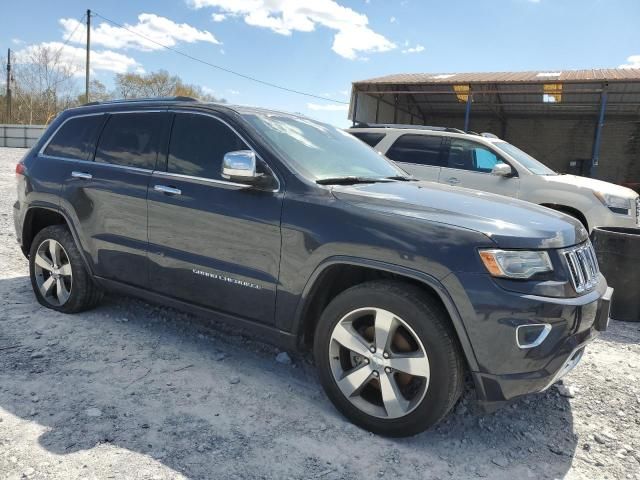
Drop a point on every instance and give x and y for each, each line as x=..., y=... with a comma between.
x=53, y=272
x=379, y=363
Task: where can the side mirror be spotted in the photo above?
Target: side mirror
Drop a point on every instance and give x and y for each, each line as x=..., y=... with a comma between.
x=502, y=170
x=240, y=166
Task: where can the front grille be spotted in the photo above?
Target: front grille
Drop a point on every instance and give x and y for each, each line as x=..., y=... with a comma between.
x=583, y=266
x=637, y=210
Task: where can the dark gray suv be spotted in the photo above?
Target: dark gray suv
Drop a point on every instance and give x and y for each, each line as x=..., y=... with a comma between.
x=308, y=238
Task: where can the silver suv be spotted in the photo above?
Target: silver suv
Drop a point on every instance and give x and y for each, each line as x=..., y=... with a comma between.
x=485, y=162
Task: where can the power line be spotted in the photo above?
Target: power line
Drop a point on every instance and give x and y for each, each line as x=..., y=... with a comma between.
x=204, y=62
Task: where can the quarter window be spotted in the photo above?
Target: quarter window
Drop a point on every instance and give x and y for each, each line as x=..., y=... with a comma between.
x=420, y=149
x=132, y=139
x=467, y=155
x=370, y=138
x=198, y=145
x=76, y=138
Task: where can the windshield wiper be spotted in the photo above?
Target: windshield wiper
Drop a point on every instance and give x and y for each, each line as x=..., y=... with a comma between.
x=403, y=178
x=350, y=180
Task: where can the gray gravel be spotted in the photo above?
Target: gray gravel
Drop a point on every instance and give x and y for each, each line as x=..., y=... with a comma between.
x=132, y=390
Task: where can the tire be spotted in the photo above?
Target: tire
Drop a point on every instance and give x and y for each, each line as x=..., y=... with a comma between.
x=419, y=327
x=68, y=288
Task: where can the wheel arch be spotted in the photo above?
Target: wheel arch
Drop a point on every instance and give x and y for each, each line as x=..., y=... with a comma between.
x=336, y=274
x=41, y=216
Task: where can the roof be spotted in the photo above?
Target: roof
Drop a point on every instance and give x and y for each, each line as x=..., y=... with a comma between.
x=544, y=76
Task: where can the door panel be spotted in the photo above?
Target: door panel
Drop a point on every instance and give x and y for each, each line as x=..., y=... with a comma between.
x=212, y=242
x=111, y=211
x=423, y=172
x=215, y=244
x=469, y=165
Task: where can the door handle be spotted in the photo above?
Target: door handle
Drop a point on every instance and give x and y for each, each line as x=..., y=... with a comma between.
x=168, y=190
x=453, y=180
x=82, y=175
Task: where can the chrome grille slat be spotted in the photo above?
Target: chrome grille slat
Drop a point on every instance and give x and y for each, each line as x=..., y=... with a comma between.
x=583, y=266
x=638, y=211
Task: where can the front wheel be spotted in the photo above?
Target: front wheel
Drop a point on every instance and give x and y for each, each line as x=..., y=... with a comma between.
x=388, y=358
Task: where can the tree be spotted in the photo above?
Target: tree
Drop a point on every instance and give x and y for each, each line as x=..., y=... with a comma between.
x=44, y=85
x=158, y=84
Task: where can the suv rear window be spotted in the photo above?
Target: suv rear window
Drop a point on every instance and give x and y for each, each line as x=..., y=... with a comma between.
x=76, y=138
x=419, y=149
x=132, y=139
x=370, y=138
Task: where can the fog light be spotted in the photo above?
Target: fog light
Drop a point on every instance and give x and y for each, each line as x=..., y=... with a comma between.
x=532, y=335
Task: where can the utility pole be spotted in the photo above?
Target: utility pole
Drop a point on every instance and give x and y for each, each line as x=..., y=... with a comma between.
x=86, y=87
x=8, y=98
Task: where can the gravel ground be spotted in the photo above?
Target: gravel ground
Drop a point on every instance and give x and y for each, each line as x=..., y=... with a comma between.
x=133, y=390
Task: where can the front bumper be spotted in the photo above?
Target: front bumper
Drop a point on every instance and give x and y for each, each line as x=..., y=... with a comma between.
x=506, y=371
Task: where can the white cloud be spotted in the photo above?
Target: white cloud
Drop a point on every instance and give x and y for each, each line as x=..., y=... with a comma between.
x=153, y=27
x=75, y=57
x=218, y=17
x=353, y=34
x=17, y=41
x=328, y=107
x=633, y=62
x=393, y=19
x=417, y=49
x=233, y=92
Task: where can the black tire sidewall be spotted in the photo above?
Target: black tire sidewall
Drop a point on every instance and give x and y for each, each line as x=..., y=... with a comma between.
x=428, y=322
x=82, y=286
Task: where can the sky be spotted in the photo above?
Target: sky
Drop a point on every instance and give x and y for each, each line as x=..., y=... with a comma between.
x=321, y=46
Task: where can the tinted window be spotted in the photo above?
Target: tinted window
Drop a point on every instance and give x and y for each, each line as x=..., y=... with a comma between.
x=132, y=139
x=467, y=155
x=370, y=138
x=198, y=144
x=76, y=138
x=420, y=149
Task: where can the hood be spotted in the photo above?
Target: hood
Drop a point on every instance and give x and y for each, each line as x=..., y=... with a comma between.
x=510, y=223
x=592, y=184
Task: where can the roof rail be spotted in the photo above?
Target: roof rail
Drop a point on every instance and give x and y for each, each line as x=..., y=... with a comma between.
x=405, y=126
x=178, y=98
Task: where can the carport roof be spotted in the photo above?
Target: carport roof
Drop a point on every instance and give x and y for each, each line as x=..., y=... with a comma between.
x=542, y=76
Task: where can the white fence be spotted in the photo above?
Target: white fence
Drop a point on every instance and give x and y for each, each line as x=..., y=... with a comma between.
x=21, y=136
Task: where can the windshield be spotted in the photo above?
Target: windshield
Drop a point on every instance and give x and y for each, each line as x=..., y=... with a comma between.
x=527, y=161
x=320, y=151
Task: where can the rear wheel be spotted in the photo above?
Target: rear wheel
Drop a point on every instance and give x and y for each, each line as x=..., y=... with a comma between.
x=388, y=358
x=59, y=278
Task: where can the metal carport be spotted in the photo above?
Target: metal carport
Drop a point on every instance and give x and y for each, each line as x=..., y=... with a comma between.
x=582, y=121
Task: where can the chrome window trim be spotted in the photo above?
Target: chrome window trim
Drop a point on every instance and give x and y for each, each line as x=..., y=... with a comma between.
x=109, y=165
x=160, y=173
x=212, y=180
x=52, y=136
x=72, y=117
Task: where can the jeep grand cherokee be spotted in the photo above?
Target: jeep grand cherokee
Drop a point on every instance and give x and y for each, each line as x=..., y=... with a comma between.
x=305, y=236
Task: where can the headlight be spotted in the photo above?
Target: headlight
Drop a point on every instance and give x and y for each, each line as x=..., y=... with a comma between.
x=515, y=263
x=614, y=203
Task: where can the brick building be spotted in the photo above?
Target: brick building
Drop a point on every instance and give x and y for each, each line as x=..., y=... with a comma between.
x=570, y=120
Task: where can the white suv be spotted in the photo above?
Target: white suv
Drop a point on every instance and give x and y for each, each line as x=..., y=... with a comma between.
x=485, y=162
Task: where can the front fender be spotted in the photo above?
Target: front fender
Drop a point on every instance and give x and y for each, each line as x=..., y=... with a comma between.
x=426, y=279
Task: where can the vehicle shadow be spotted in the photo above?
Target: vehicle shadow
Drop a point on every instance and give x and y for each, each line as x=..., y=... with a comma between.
x=187, y=398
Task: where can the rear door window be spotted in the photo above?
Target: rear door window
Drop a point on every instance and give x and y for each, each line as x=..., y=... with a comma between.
x=198, y=145
x=76, y=138
x=418, y=149
x=132, y=139
x=370, y=138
